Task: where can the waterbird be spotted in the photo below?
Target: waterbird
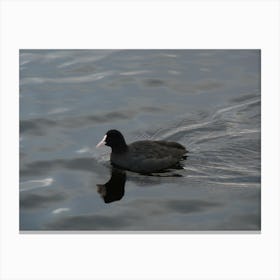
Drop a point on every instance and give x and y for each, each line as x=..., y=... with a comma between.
x=144, y=156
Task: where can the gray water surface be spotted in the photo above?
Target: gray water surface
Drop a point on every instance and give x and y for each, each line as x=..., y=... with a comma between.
x=207, y=100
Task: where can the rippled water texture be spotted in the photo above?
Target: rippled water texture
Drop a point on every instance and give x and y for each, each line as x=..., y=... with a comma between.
x=207, y=100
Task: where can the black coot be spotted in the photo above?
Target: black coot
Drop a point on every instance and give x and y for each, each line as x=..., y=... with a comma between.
x=142, y=156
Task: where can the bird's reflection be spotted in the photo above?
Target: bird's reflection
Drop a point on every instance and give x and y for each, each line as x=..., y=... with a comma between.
x=113, y=190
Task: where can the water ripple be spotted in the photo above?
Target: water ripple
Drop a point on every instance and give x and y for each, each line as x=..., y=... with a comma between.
x=36, y=184
x=66, y=80
x=40, y=126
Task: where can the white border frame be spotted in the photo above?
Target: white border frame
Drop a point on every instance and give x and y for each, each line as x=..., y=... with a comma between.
x=146, y=24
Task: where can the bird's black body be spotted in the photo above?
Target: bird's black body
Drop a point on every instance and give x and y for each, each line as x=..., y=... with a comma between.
x=143, y=156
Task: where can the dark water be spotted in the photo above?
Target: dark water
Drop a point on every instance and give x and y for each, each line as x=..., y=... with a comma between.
x=207, y=100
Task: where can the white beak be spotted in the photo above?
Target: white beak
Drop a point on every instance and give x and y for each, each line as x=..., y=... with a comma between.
x=102, y=142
